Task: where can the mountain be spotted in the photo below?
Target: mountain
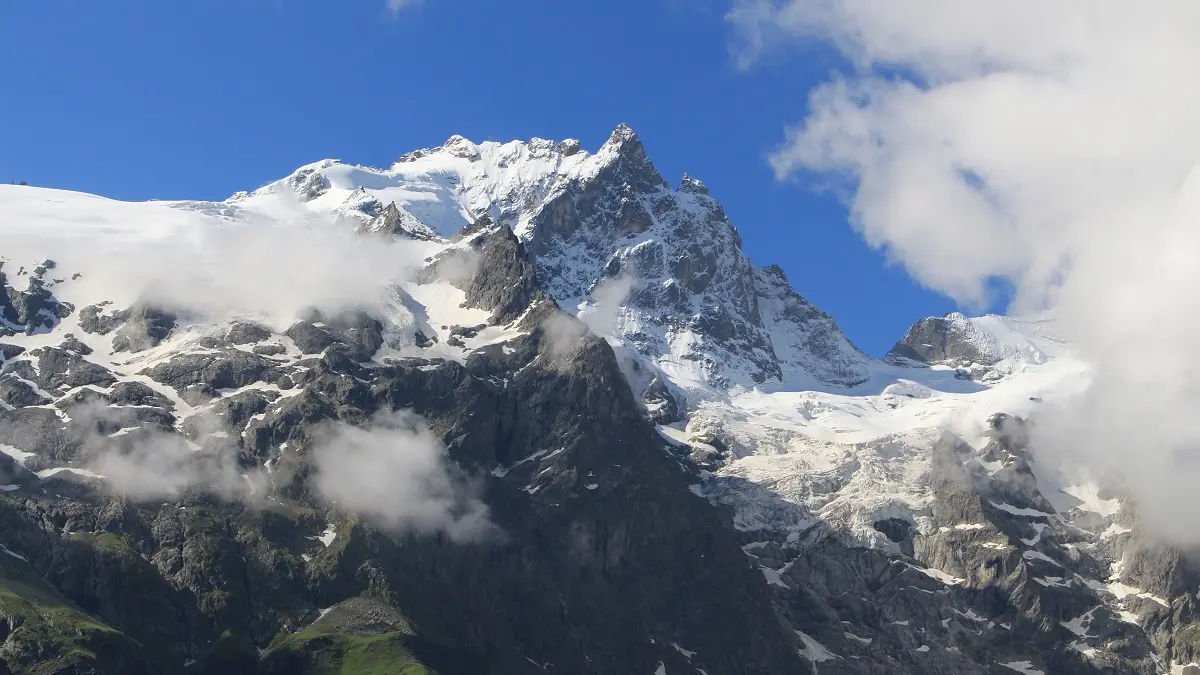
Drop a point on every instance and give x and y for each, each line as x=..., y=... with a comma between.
x=697, y=308
x=522, y=408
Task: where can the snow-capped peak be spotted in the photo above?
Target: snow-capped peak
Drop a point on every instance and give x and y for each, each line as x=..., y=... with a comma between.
x=697, y=308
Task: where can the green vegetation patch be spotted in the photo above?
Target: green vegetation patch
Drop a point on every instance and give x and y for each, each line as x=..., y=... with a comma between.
x=50, y=633
x=330, y=647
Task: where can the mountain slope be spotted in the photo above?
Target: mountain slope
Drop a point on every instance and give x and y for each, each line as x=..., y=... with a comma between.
x=515, y=408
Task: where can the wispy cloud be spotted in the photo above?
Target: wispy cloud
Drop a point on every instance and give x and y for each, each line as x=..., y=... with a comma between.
x=397, y=6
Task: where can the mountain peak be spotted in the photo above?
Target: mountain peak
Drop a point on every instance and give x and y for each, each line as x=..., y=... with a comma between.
x=459, y=146
x=624, y=134
x=625, y=142
x=692, y=185
x=624, y=147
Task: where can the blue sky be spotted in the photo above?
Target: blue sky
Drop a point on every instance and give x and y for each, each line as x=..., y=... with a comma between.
x=139, y=99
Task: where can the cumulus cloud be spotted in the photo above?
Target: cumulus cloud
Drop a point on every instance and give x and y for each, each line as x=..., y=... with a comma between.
x=1052, y=146
x=396, y=474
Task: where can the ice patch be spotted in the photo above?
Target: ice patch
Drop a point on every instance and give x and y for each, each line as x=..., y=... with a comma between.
x=948, y=579
x=687, y=654
x=13, y=554
x=501, y=472
x=814, y=651
x=1114, y=530
x=1038, y=555
x=46, y=473
x=1019, y=511
x=1037, y=537
x=1023, y=667
x=19, y=455
x=862, y=640
x=328, y=536
x=1080, y=624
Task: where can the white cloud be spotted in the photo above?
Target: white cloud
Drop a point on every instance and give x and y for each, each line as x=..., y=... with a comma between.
x=1050, y=144
x=151, y=464
x=396, y=474
x=272, y=265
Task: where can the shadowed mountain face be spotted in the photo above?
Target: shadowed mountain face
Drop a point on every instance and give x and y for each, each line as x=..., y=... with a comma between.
x=586, y=435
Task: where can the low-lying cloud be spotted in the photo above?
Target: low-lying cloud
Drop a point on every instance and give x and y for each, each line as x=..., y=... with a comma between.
x=393, y=472
x=272, y=263
x=1051, y=146
x=143, y=462
x=396, y=474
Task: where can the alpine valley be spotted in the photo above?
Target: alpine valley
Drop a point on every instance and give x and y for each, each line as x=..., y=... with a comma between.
x=519, y=409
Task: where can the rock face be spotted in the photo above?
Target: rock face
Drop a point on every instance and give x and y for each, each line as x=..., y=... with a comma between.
x=950, y=339
x=138, y=328
x=505, y=282
x=396, y=222
x=590, y=222
x=34, y=309
x=693, y=292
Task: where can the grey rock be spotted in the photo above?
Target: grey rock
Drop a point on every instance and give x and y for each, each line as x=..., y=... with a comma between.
x=505, y=282
x=310, y=338
x=205, y=373
x=12, y=473
x=244, y=333
x=269, y=350
x=8, y=351
x=396, y=222
x=660, y=402
x=807, y=340
x=145, y=327
x=59, y=369
x=94, y=319
x=947, y=339
x=136, y=393
x=357, y=331
x=74, y=344
x=35, y=308
x=87, y=397
x=39, y=430
x=18, y=393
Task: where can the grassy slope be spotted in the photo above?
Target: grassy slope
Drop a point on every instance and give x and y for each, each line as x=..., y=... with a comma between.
x=327, y=650
x=50, y=633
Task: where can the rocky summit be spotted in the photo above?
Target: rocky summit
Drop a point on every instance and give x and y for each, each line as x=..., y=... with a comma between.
x=521, y=408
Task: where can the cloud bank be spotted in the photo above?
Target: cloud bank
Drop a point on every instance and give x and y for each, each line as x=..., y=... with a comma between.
x=1050, y=145
x=272, y=264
